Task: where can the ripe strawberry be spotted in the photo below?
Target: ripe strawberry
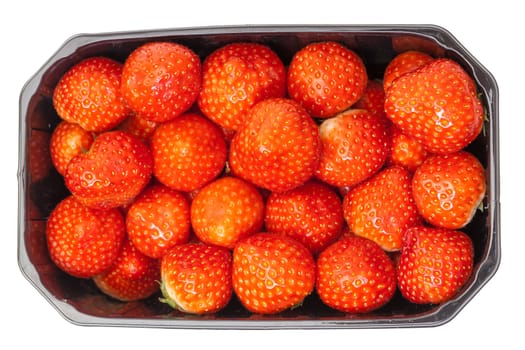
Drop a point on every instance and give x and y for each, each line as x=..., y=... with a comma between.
x=133, y=275
x=434, y=264
x=355, y=145
x=115, y=170
x=326, y=78
x=382, y=208
x=373, y=99
x=227, y=210
x=449, y=188
x=138, y=127
x=197, y=278
x=84, y=242
x=436, y=104
x=311, y=214
x=67, y=141
x=355, y=275
x=237, y=76
x=158, y=219
x=403, y=63
x=89, y=94
x=272, y=272
x=277, y=147
x=405, y=151
x=161, y=80
x=188, y=152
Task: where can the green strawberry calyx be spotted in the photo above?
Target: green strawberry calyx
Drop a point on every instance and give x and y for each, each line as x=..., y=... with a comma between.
x=167, y=297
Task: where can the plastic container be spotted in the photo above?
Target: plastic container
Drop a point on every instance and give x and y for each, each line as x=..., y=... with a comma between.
x=41, y=188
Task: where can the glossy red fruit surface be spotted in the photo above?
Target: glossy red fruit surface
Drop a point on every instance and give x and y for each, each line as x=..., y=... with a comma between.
x=355, y=276
x=237, y=76
x=311, y=213
x=434, y=264
x=161, y=80
x=197, y=278
x=278, y=146
x=84, y=242
x=112, y=173
x=89, y=94
x=326, y=78
x=272, y=272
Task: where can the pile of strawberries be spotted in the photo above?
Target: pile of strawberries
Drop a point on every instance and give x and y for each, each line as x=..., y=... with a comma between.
x=238, y=174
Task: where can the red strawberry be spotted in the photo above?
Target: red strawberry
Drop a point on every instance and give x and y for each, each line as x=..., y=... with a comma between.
x=277, y=147
x=84, y=242
x=382, y=208
x=438, y=105
x=373, y=99
x=161, y=80
x=237, y=76
x=403, y=63
x=188, y=152
x=355, y=145
x=158, y=219
x=115, y=170
x=405, y=150
x=449, y=188
x=197, y=278
x=311, y=214
x=133, y=275
x=434, y=264
x=355, y=275
x=227, y=210
x=272, y=272
x=67, y=141
x=138, y=127
x=89, y=94
x=326, y=78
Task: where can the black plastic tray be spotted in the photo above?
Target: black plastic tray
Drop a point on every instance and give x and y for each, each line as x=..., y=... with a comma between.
x=81, y=303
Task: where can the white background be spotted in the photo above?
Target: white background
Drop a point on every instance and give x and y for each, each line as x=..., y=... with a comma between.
x=491, y=31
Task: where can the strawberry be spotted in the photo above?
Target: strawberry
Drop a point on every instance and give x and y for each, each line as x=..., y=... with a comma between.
x=227, y=210
x=89, y=94
x=311, y=214
x=405, y=150
x=434, y=264
x=114, y=170
x=438, y=105
x=272, y=272
x=188, y=152
x=67, y=141
x=138, y=127
x=237, y=76
x=326, y=78
x=355, y=145
x=133, y=275
x=157, y=220
x=382, y=207
x=404, y=63
x=278, y=146
x=196, y=278
x=449, y=188
x=373, y=99
x=161, y=80
x=84, y=242
x=355, y=276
